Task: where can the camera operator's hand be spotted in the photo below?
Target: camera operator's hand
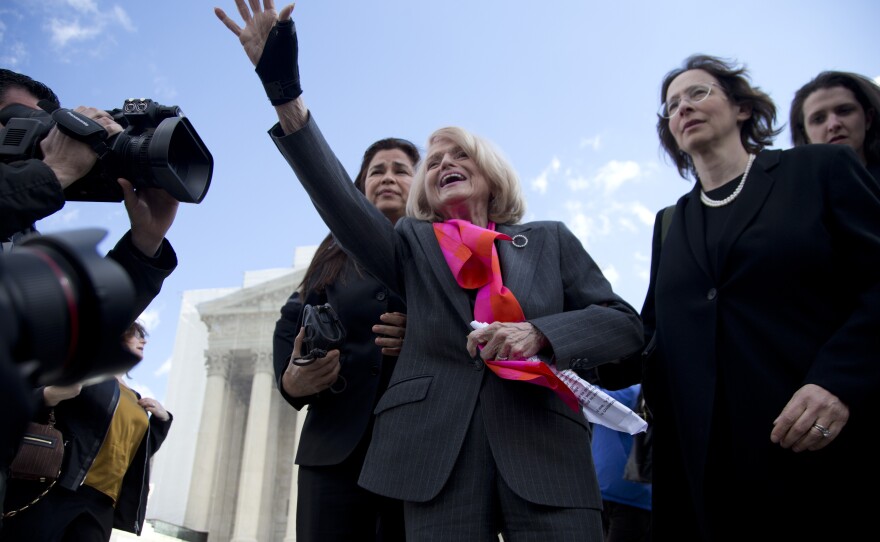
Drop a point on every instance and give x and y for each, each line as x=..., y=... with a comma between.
x=68, y=158
x=304, y=380
x=52, y=395
x=151, y=212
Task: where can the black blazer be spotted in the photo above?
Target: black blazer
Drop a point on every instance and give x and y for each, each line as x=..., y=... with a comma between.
x=541, y=447
x=795, y=300
x=337, y=422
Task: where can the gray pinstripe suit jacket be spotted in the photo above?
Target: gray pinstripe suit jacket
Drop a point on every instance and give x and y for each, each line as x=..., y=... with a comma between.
x=541, y=447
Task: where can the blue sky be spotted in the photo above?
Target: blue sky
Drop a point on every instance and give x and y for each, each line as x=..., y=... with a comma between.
x=568, y=91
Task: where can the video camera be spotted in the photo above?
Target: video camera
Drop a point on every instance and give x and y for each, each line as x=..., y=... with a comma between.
x=158, y=147
x=63, y=309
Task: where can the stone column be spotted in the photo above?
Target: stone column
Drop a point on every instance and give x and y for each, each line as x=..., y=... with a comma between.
x=253, y=462
x=290, y=534
x=208, y=440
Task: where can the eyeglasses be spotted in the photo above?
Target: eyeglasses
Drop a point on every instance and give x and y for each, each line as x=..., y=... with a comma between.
x=693, y=95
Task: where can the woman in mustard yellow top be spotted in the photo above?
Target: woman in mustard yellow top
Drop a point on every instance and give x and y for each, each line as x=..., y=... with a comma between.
x=110, y=433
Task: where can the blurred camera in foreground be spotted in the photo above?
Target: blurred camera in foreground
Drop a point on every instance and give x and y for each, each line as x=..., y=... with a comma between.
x=158, y=147
x=63, y=309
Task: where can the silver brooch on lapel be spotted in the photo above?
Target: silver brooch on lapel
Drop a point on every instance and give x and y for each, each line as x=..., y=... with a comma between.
x=520, y=240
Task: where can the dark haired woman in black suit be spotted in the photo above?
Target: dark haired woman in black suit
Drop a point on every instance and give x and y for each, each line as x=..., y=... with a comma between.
x=342, y=389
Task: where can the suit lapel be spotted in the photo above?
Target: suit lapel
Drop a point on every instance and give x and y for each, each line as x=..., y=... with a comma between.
x=742, y=212
x=695, y=229
x=518, y=263
x=749, y=203
x=431, y=248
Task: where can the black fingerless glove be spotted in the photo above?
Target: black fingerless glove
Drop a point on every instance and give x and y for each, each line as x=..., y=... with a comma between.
x=278, y=68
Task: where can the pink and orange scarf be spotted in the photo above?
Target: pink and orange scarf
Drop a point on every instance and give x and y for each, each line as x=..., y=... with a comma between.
x=470, y=252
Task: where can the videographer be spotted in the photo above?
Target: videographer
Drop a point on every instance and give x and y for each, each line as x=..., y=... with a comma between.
x=33, y=189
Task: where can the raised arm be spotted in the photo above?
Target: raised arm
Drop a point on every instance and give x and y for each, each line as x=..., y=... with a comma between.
x=272, y=49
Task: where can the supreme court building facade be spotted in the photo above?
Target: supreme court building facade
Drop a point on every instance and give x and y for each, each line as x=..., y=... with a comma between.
x=225, y=473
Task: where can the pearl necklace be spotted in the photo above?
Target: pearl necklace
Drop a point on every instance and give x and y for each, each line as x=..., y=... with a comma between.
x=709, y=202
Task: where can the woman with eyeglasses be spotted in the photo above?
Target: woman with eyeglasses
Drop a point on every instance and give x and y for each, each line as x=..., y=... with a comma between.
x=763, y=306
x=839, y=108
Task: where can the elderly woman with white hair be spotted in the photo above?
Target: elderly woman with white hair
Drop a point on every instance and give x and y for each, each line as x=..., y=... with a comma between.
x=470, y=451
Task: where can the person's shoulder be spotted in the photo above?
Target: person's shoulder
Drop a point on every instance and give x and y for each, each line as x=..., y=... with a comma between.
x=817, y=152
x=539, y=224
x=408, y=223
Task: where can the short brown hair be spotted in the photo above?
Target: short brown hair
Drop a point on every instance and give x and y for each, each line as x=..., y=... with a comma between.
x=136, y=329
x=756, y=131
x=866, y=92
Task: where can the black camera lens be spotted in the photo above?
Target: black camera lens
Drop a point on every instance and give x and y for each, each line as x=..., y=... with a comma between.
x=64, y=308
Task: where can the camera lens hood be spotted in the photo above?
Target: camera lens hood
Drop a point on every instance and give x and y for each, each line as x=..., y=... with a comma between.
x=180, y=162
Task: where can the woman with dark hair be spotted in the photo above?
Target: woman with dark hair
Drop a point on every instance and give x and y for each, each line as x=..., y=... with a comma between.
x=839, y=107
x=342, y=388
x=763, y=308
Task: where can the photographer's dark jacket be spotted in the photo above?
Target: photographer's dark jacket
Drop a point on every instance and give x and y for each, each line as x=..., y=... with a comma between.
x=337, y=422
x=29, y=191
x=84, y=421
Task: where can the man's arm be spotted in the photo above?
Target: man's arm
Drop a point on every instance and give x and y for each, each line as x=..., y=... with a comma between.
x=147, y=273
x=29, y=191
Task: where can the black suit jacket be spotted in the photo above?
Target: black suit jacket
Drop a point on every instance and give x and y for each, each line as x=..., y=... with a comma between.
x=795, y=299
x=337, y=422
x=541, y=447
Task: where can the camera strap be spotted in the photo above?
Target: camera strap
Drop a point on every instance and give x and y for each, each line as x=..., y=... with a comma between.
x=77, y=126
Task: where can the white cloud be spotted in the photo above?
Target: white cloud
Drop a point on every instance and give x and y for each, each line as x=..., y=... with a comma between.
x=541, y=182
x=83, y=6
x=64, y=31
x=14, y=55
x=609, y=178
x=594, y=143
x=578, y=182
x=587, y=226
x=877, y=79
x=150, y=319
x=164, y=88
x=644, y=214
x=611, y=274
x=123, y=19
x=614, y=174
x=627, y=224
x=83, y=21
x=163, y=369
